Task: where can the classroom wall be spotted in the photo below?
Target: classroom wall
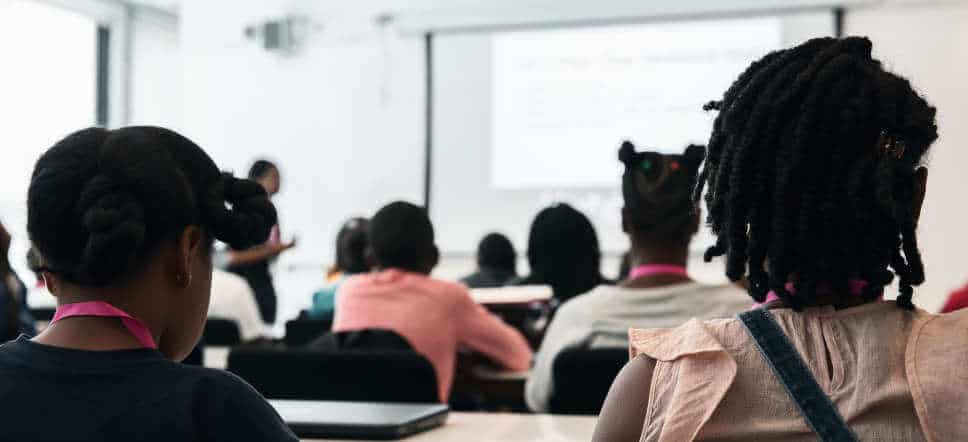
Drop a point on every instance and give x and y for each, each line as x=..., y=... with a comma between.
x=928, y=44
x=344, y=114
x=155, y=78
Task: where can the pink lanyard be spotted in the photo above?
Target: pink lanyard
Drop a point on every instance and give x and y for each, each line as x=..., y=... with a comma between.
x=657, y=269
x=100, y=308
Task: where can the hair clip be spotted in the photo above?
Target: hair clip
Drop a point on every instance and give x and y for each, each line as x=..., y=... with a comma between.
x=647, y=165
x=891, y=146
x=674, y=166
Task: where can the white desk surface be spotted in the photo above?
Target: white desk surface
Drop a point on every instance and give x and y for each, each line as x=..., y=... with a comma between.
x=506, y=427
x=523, y=294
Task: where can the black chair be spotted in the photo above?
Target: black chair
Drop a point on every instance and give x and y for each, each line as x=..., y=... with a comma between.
x=300, y=332
x=582, y=378
x=221, y=332
x=337, y=375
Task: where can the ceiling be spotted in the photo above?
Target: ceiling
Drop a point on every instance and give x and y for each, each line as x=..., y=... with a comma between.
x=167, y=5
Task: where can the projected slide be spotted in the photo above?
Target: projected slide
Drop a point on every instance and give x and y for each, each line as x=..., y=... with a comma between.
x=526, y=118
x=564, y=99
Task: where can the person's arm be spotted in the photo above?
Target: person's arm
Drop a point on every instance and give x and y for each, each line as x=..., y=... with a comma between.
x=244, y=415
x=485, y=333
x=623, y=415
x=560, y=335
x=258, y=253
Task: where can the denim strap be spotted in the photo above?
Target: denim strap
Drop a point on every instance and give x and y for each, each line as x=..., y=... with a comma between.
x=814, y=405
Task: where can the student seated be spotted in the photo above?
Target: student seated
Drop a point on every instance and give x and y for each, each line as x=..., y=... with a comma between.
x=814, y=183
x=497, y=263
x=351, y=244
x=15, y=317
x=660, y=218
x=563, y=253
x=124, y=222
x=232, y=299
x=434, y=316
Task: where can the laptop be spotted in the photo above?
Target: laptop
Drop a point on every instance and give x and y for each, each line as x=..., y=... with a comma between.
x=359, y=420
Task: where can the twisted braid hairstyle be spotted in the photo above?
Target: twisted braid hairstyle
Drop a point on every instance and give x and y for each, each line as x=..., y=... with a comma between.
x=656, y=189
x=810, y=176
x=100, y=201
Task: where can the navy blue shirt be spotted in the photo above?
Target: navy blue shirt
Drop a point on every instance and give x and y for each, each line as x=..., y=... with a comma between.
x=57, y=394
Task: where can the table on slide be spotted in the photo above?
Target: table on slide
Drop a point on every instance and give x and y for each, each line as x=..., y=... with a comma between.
x=507, y=427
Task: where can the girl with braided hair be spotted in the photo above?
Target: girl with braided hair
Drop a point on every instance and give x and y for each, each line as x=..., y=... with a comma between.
x=813, y=182
x=660, y=219
x=123, y=222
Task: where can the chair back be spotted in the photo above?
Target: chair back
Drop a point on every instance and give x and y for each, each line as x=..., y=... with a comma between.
x=337, y=375
x=582, y=378
x=300, y=332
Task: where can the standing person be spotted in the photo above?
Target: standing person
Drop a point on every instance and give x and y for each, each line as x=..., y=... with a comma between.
x=563, y=252
x=15, y=317
x=252, y=263
x=660, y=219
x=814, y=184
x=497, y=263
x=124, y=222
x=352, y=242
x=435, y=317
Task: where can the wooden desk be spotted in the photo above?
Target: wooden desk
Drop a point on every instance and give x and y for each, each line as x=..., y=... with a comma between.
x=508, y=428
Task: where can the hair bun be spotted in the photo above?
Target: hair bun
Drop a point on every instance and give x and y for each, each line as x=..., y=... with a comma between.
x=114, y=221
x=249, y=216
x=626, y=153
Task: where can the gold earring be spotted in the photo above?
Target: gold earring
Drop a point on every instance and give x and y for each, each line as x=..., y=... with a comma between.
x=184, y=281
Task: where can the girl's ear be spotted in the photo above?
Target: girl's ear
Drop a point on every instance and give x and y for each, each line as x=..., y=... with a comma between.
x=920, y=190
x=190, y=247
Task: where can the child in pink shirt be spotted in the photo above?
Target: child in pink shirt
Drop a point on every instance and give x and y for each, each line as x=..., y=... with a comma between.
x=434, y=316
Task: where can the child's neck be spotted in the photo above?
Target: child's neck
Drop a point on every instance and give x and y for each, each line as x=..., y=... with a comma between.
x=88, y=333
x=643, y=256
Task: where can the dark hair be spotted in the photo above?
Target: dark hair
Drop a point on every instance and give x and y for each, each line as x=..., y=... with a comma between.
x=351, y=243
x=657, y=190
x=401, y=236
x=260, y=168
x=100, y=201
x=811, y=168
x=563, y=252
x=495, y=251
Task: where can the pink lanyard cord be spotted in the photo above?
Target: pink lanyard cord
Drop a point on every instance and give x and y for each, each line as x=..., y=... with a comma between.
x=100, y=308
x=657, y=269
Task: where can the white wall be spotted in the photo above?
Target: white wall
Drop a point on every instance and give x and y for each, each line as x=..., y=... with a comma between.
x=344, y=116
x=343, y=148
x=928, y=45
x=155, y=69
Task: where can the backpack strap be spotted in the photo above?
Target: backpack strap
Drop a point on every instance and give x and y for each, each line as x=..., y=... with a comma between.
x=790, y=370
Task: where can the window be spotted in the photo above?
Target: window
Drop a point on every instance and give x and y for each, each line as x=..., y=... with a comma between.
x=48, y=88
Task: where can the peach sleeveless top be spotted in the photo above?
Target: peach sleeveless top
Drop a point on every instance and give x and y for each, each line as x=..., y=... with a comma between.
x=894, y=375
